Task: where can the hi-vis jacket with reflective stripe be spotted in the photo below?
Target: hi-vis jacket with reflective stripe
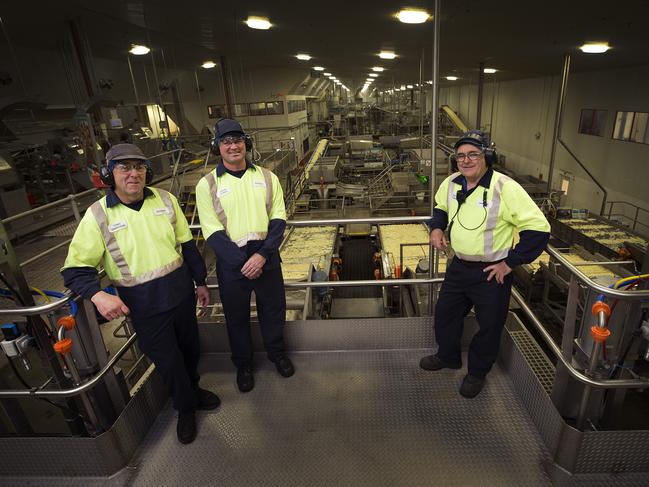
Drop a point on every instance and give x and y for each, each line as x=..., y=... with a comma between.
x=508, y=207
x=134, y=247
x=240, y=206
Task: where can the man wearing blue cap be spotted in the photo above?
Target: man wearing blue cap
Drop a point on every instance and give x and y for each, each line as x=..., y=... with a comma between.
x=141, y=238
x=242, y=214
x=480, y=209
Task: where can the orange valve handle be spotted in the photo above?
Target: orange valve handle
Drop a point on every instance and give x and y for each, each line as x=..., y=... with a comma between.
x=600, y=334
x=397, y=272
x=68, y=322
x=600, y=306
x=63, y=347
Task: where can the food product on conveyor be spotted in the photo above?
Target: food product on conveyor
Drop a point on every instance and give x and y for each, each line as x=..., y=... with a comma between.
x=306, y=246
x=608, y=235
x=392, y=236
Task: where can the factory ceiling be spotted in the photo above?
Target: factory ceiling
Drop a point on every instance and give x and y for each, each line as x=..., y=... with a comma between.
x=519, y=39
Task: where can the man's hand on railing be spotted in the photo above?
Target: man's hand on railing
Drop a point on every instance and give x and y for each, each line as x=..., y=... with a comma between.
x=109, y=306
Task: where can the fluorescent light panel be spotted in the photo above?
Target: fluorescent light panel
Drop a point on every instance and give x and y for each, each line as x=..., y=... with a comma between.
x=413, y=16
x=259, y=23
x=139, y=50
x=595, y=47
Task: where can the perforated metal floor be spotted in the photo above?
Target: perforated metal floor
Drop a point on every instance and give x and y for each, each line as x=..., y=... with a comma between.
x=347, y=418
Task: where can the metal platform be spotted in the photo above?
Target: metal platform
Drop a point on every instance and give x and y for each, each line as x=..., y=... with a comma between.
x=359, y=411
x=346, y=418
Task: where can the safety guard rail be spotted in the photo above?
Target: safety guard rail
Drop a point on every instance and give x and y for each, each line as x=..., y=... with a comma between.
x=611, y=383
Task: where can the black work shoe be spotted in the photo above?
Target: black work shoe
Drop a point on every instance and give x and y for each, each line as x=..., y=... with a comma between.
x=471, y=386
x=284, y=366
x=433, y=362
x=186, y=428
x=207, y=400
x=245, y=379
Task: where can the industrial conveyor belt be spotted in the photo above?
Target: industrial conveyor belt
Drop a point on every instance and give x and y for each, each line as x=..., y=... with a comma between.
x=357, y=255
x=363, y=418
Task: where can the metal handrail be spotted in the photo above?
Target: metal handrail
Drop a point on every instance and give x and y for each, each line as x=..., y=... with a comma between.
x=606, y=291
x=556, y=351
x=47, y=206
x=637, y=212
x=38, y=309
x=37, y=392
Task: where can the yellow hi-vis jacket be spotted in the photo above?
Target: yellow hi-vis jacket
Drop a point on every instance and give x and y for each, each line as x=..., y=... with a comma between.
x=134, y=247
x=242, y=207
x=484, y=232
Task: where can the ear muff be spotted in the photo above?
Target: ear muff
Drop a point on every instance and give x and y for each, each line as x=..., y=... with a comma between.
x=108, y=179
x=453, y=160
x=106, y=176
x=149, y=173
x=490, y=156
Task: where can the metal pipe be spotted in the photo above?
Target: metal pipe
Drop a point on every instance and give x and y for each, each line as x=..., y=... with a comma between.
x=76, y=390
x=90, y=410
x=599, y=185
x=610, y=384
x=558, y=118
x=137, y=97
x=433, y=142
x=478, y=115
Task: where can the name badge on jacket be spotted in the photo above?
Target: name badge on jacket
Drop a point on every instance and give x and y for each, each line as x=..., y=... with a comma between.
x=223, y=192
x=161, y=211
x=113, y=227
x=259, y=184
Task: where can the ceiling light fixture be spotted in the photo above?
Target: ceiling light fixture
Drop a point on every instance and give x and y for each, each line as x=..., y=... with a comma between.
x=373, y=75
x=595, y=47
x=139, y=50
x=303, y=57
x=318, y=68
x=327, y=74
x=208, y=64
x=410, y=87
x=259, y=23
x=378, y=69
x=403, y=87
x=451, y=78
x=413, y=16
x=387, y=55
x=489, y=70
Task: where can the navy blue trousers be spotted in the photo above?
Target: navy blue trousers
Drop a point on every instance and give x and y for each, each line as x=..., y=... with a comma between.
x=271, y=311
x=170, y=340
x=466, y=286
